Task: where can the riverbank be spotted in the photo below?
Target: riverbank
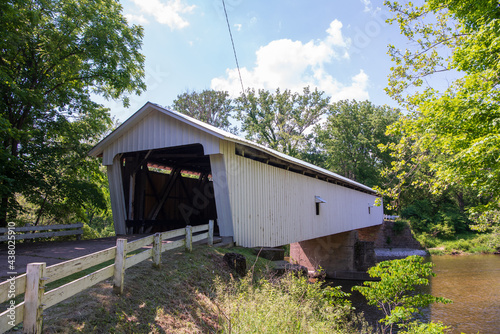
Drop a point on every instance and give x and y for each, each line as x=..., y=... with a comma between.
x=464, y=243
x=179, y=297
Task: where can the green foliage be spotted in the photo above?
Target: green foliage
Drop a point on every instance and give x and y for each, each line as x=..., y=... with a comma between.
x=394, y=293
x=287, y=305
x=439, y=218
x=451, y=137
x=55, y=55
x=281, y=120
x=399, y=226
x=210, y=106
x=425, y=328
x=471, y=242
x=350, y=137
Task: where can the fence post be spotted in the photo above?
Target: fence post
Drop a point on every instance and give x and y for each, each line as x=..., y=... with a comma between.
x=211, y=232
x=157, y=250
x=33, y=308
x=79, y=236
x=121, y=255
x=189, y=238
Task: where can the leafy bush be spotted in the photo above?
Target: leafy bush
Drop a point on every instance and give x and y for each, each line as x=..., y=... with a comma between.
x=89, y=232
x=287, y=305
x=426, y=240
x=441, y=219
x=443, y=230
x=399, y=226
x=425, y=328
x=394, y=293
x=470, y=242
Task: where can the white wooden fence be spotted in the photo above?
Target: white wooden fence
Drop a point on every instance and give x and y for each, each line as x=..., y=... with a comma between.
x=36, y=231
x=32, y=284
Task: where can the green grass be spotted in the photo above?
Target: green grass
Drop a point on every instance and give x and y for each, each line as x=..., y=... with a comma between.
x=289, y=304
x=469, y=243
x=185, y=295
x=174, y=298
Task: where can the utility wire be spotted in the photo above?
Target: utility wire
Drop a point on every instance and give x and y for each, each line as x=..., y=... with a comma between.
x=234, y=49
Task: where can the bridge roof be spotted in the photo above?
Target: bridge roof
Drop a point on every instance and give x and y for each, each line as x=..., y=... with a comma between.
x=98, y=149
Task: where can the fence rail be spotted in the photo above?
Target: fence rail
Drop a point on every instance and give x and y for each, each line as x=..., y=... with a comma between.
x=32, y=284
x=35, y=231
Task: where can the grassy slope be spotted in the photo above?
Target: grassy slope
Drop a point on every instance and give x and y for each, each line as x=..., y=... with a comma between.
x=467, y=243
x=173, y=299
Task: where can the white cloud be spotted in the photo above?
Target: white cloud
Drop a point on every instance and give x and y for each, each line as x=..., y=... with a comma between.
x=140, y=19
x=368, y=5
x=168, y=12
x=288, y=64
x=238, y=26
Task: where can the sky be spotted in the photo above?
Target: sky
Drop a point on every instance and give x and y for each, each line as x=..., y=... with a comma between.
x=340, y=47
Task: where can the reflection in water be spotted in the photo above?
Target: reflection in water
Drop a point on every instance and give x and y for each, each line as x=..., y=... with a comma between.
x=472, y=282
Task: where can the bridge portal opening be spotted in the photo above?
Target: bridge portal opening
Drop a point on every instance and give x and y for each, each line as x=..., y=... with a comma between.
x=167, y=189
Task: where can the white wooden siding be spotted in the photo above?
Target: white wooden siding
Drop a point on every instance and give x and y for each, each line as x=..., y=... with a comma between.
x=117, y=196
x=221, y=191
x=157, y=130
x=272, y=206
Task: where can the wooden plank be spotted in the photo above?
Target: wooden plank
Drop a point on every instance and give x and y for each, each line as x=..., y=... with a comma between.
x=133, y=260
x=63, y=269
x=35, y=273
x=155, y=193
x=131, y=197
x=9, y=318
x=139, y=243
x=119, y=273
x=210, y=232
x=169, y=186
x=173, y=234
x=200, y=228
x=20, y=282
x=67, y=290
x=189, y=238
x=42, y=227
x=173, y=245
x=43, y=235
x=200, y=237
x=157, y=250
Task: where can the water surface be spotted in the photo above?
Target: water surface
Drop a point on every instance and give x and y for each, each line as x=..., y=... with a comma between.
x=472, y=282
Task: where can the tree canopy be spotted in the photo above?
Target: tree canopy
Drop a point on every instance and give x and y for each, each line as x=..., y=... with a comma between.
x=350, y=137
x=54, y=56
x=210, y=106
x=281, y=120
x=451, y=136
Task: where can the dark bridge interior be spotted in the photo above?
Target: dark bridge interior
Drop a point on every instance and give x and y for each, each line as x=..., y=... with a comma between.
x=167, y=189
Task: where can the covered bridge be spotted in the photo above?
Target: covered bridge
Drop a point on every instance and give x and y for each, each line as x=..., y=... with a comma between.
x=167, y=170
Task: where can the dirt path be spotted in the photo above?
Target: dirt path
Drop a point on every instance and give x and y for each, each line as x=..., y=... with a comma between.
x=51, y=252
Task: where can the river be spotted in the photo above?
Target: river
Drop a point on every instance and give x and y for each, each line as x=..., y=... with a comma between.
x=472, y=282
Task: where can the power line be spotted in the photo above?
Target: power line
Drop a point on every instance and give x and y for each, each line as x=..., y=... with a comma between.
x=234, y=49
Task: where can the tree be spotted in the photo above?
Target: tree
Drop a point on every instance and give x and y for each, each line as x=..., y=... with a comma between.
x=350, y=137
x=54, y=56
x=394, y=293
x=210, y=106
x=452, y=134
x=281, y=120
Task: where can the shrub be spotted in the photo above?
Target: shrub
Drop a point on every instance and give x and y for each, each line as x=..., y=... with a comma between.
x=426, y=240
x=394, y=293
x=399, y=226
x=425, y=328
x=89, y=232
x=443, y=230
x=287, y=305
